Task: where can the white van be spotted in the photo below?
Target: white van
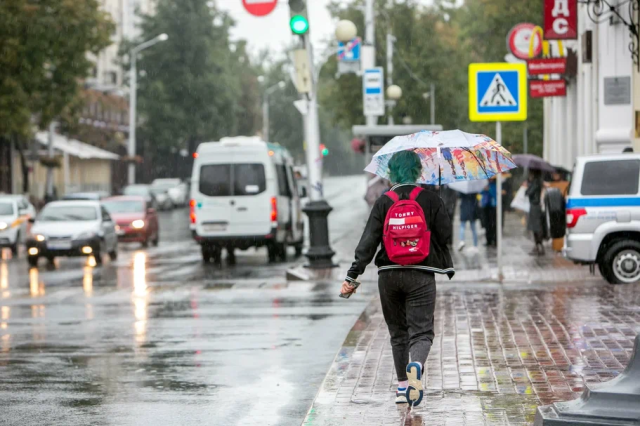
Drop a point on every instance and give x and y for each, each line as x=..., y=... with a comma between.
x=243, y=195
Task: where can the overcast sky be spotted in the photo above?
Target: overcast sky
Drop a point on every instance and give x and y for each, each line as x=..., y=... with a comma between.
x=272, y=31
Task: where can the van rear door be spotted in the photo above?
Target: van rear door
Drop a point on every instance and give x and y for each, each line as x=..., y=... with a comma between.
x=234, y=200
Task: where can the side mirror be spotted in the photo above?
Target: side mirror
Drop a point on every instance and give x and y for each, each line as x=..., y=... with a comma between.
x=303, y=192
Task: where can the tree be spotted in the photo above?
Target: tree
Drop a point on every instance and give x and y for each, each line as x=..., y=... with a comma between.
x=44, y=47
x=197, y=86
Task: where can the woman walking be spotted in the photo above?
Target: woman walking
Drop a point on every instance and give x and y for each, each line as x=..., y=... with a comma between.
x=408, y=291
x=537, y=220
x=468, y=207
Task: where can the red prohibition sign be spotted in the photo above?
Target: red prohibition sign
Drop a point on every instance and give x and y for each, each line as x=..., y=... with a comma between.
x=259, y=7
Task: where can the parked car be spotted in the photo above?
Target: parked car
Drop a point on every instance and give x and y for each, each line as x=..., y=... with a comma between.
x=72, y=228
x=142, y=190
x=24, y=205
x=13, y=225
x=603, y=216
x=177, y=190
x=136, y=221
x=243, y=195
x=95, y=196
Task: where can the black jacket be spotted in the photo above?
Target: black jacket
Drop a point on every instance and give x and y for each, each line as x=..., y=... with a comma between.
x=438, y=222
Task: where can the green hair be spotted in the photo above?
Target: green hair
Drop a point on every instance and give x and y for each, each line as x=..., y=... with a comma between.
x=405, y=167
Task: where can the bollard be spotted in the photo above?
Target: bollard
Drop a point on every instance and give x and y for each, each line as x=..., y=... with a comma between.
x=616, y=402
x=320, y=252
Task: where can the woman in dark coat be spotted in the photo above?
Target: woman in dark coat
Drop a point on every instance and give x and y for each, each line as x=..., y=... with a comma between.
x=536, y=215
x=468, y=206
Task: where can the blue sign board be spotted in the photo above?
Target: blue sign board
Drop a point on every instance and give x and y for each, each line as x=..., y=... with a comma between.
x=497, y=92
x=349, y=52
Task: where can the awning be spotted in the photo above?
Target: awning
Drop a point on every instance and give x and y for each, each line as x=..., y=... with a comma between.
x=75, y=148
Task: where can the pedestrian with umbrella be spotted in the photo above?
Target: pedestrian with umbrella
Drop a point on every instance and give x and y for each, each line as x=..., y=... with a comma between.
x=469, y=191
x=536, y=222
x=411, y=227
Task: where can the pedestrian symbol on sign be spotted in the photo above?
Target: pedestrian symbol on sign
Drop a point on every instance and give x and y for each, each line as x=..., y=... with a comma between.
x=497, y=94
x=498, y=91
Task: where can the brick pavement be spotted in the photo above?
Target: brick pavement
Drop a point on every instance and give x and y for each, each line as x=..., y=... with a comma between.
x=499, y=352
x=500, y=349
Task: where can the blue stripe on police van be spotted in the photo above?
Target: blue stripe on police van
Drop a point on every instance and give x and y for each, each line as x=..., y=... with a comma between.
x=603, y=202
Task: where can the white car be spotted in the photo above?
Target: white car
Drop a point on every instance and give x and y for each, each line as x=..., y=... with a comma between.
x=72, y=228
x=24, y=205
x=243, y=194
x=603, y=216
x=176, y=190
x=13, y=224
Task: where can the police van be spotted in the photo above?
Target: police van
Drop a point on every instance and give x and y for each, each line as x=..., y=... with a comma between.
x=243, y=195
x=603, y=216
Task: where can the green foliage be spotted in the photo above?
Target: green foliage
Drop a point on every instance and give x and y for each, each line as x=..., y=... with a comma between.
x=43, y=58
x=197, y=86
x=435, y=44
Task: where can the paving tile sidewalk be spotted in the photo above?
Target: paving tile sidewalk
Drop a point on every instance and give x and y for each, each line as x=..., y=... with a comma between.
x=499, y=352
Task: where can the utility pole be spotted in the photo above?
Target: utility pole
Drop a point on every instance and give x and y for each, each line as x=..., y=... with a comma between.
x=391, y=103
x=370, y=40
x=432, y=95
x=319, y=253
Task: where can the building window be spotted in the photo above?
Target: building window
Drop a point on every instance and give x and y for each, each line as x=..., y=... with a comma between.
x=111, y=77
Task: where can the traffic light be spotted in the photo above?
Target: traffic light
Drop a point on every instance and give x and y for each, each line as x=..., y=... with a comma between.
x=299, y=22
x=324, y=150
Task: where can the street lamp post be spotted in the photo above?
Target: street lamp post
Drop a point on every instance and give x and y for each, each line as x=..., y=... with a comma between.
x=265, y=108
x=132, y=102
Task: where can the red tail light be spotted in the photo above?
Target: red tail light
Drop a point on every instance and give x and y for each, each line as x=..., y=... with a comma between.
x=192, y=210
x=573, y=215
x=274, y=209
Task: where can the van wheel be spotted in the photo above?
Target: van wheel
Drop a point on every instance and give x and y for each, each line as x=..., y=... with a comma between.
x=298, y=248
x=277, y=251
x=555, y=213
x=621, y=263
x=113, y=255
x=211, y=254
x=15, y=249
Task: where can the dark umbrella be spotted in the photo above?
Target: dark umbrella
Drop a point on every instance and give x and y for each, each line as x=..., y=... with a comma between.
x=529, y=161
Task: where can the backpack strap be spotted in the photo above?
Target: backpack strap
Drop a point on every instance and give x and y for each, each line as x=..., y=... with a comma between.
x=393, y=195
x=414, y=193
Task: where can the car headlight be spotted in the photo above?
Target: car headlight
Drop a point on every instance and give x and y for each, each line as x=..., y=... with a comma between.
x=3, y=226
x=85, y=235
x=40, y=237
x=137, y=224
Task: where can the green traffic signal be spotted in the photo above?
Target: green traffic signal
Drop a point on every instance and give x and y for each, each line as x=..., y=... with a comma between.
x=299, y=24
x=325, y=152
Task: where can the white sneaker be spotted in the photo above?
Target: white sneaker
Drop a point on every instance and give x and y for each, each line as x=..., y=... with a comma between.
x=401, y=396
x=461, y=246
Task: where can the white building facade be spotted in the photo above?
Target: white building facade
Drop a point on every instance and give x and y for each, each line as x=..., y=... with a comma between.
x=107, y=73
x=598, y=113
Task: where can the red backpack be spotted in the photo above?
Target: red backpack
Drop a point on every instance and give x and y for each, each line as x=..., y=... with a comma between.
x=405, y=235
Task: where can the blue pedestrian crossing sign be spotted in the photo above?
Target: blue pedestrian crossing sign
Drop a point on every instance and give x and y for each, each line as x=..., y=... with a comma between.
x=498, y=92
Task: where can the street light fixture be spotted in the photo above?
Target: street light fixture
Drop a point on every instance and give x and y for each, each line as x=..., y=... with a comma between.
x=346, y=31
x=265, y=108
x=133, y=54
x=394, y=92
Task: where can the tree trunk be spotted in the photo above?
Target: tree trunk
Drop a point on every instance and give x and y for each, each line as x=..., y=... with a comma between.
x=23, y=165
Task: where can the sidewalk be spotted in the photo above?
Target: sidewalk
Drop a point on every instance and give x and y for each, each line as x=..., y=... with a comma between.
x=500, y=349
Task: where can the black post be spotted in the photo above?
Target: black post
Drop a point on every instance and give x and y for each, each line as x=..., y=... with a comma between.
x=616, y=402
x=320, y=252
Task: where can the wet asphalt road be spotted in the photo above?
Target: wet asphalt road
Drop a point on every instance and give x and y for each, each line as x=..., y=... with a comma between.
x=159, y=338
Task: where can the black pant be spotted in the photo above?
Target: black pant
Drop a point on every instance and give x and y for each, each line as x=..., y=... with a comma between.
x=408, y=302
x=490, y=224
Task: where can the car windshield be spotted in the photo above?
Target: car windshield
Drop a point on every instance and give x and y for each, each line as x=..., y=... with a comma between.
x=68, y=213
x=124, y=206
x=137, y=190
x=6, y=209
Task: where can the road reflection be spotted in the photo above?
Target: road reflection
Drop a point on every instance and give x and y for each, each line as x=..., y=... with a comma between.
x=4, y=281
x=140, y=297
x=36, y=287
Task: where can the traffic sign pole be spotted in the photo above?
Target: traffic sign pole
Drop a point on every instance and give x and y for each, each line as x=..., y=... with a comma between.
x=499, y=207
